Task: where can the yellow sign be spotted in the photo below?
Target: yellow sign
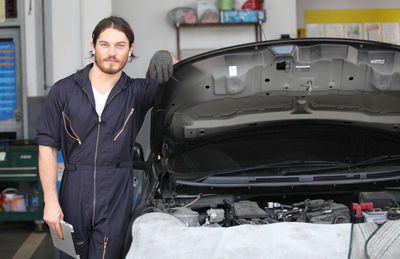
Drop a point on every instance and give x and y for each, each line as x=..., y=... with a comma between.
x=352, y=16
x=368, y=24
x=2, y=10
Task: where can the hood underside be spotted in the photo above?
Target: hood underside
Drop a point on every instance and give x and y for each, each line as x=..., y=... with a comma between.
x=259, y=84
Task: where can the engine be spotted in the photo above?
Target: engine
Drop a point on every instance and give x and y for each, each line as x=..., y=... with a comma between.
x=225, y=211
x=313, y=211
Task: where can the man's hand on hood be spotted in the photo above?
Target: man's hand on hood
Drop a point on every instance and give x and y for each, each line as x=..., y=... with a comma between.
x=161, y=66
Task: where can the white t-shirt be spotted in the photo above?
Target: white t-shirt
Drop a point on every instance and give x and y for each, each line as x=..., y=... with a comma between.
x=100, y=100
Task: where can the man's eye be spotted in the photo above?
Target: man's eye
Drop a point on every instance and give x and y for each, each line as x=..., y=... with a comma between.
x=121, y=46
x=103, y=44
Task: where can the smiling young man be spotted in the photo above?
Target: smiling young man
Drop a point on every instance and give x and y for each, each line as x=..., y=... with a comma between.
x=93, y=116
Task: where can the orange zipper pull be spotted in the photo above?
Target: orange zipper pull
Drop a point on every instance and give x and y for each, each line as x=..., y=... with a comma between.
x=105, y=247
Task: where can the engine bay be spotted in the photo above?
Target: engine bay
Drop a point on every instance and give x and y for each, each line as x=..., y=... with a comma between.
x=209, y=210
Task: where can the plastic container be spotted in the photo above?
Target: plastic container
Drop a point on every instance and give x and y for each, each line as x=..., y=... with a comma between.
x=11, y=200
x=225, y=4
x=32, y=199
x=376, y=216
x=17, y=204
x=181, y=15
x=187, y=216
x=248, y=4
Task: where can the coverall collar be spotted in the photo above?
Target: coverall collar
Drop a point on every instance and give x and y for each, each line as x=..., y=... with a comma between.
x=82, y=79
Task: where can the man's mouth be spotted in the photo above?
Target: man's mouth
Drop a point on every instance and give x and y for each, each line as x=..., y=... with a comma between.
x=112, y=60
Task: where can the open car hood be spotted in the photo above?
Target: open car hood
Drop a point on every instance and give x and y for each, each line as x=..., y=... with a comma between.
x=301, y=132
x=245, y=87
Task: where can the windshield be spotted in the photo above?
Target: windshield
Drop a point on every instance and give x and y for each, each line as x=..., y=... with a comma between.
x=300, y=148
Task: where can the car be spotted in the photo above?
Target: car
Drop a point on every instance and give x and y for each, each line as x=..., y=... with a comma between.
x=274, y=149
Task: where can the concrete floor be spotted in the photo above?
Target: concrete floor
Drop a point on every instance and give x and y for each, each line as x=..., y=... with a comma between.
x=18, y=240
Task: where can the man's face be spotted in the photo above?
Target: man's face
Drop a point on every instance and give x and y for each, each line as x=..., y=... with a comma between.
x=111, y=51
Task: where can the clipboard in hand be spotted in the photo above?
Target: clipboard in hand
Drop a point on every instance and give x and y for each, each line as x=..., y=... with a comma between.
x=67, y=245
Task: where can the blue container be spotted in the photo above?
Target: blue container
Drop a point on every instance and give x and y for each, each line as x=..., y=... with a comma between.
x=243, y=16
x=60, y=169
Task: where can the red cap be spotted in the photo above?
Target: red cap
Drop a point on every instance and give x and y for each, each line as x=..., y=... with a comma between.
x=252, y=4
x=357, y=208
x=367, y=205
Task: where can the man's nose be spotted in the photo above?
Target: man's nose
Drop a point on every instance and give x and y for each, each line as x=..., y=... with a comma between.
x=112, y=50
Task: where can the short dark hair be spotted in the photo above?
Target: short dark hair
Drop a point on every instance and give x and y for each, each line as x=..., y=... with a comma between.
x=117, y=23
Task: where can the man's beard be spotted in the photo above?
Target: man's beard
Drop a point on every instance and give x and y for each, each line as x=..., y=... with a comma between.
x=107, y=68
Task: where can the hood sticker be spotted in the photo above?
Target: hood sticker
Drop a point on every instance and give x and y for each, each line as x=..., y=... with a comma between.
x=378, y=61
x=232, y=71
x=303, y=68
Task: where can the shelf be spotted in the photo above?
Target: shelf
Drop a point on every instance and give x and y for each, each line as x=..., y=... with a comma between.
x=19, y=166
x=257, y=27
x=25, y=178
x=226, y=24
x=21, y=216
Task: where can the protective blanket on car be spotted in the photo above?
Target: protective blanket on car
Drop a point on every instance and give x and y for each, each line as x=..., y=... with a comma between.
x=160, y=235
x=370, y=240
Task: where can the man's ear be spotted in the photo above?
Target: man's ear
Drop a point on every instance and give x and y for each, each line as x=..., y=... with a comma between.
x=130, y=50
x=92, y=45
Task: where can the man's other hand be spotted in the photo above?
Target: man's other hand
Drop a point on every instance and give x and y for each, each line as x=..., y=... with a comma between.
x=52, y=215
x=161, y=66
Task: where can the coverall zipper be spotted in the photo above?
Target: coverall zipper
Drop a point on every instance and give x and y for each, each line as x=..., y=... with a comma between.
x=123, y=127
x=95, y=154
x=95, y=170
x=70, y=125
x=105, y=247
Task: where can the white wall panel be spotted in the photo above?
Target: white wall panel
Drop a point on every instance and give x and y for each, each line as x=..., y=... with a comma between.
x=153, y=32
x=68, y=35
x=92, y=11
x=65, y=39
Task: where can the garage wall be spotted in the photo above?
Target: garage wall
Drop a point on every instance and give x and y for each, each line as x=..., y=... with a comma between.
x=153, y=32
x=34, y=50
x=63, y=43
x=89, y=20
x=68, y=28
x=340, y=4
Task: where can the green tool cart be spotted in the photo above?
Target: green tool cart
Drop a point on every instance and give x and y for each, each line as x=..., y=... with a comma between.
x=19, y=171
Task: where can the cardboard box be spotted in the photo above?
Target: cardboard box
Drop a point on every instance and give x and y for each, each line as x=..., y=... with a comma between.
x=247, y=15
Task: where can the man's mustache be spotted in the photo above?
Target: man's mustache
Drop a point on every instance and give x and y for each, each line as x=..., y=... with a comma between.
x=112, y=58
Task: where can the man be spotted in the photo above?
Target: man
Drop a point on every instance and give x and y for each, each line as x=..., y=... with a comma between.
x=93, y=116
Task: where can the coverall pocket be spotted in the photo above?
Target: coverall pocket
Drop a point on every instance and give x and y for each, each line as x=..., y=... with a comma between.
x=69, y=130
x=112, y=247
x=124, y=125
x=81, y=248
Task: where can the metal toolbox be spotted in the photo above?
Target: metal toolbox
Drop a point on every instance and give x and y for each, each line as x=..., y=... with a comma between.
x=19, y=169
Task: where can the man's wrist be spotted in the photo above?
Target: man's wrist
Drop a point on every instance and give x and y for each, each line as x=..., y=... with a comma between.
x=51, y=198
x=174, y=59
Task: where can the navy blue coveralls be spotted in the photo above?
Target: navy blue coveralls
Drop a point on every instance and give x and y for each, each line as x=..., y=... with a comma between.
x=96, y=193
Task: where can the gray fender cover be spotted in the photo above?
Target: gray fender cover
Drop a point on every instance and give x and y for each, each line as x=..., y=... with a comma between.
x=160, y=235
